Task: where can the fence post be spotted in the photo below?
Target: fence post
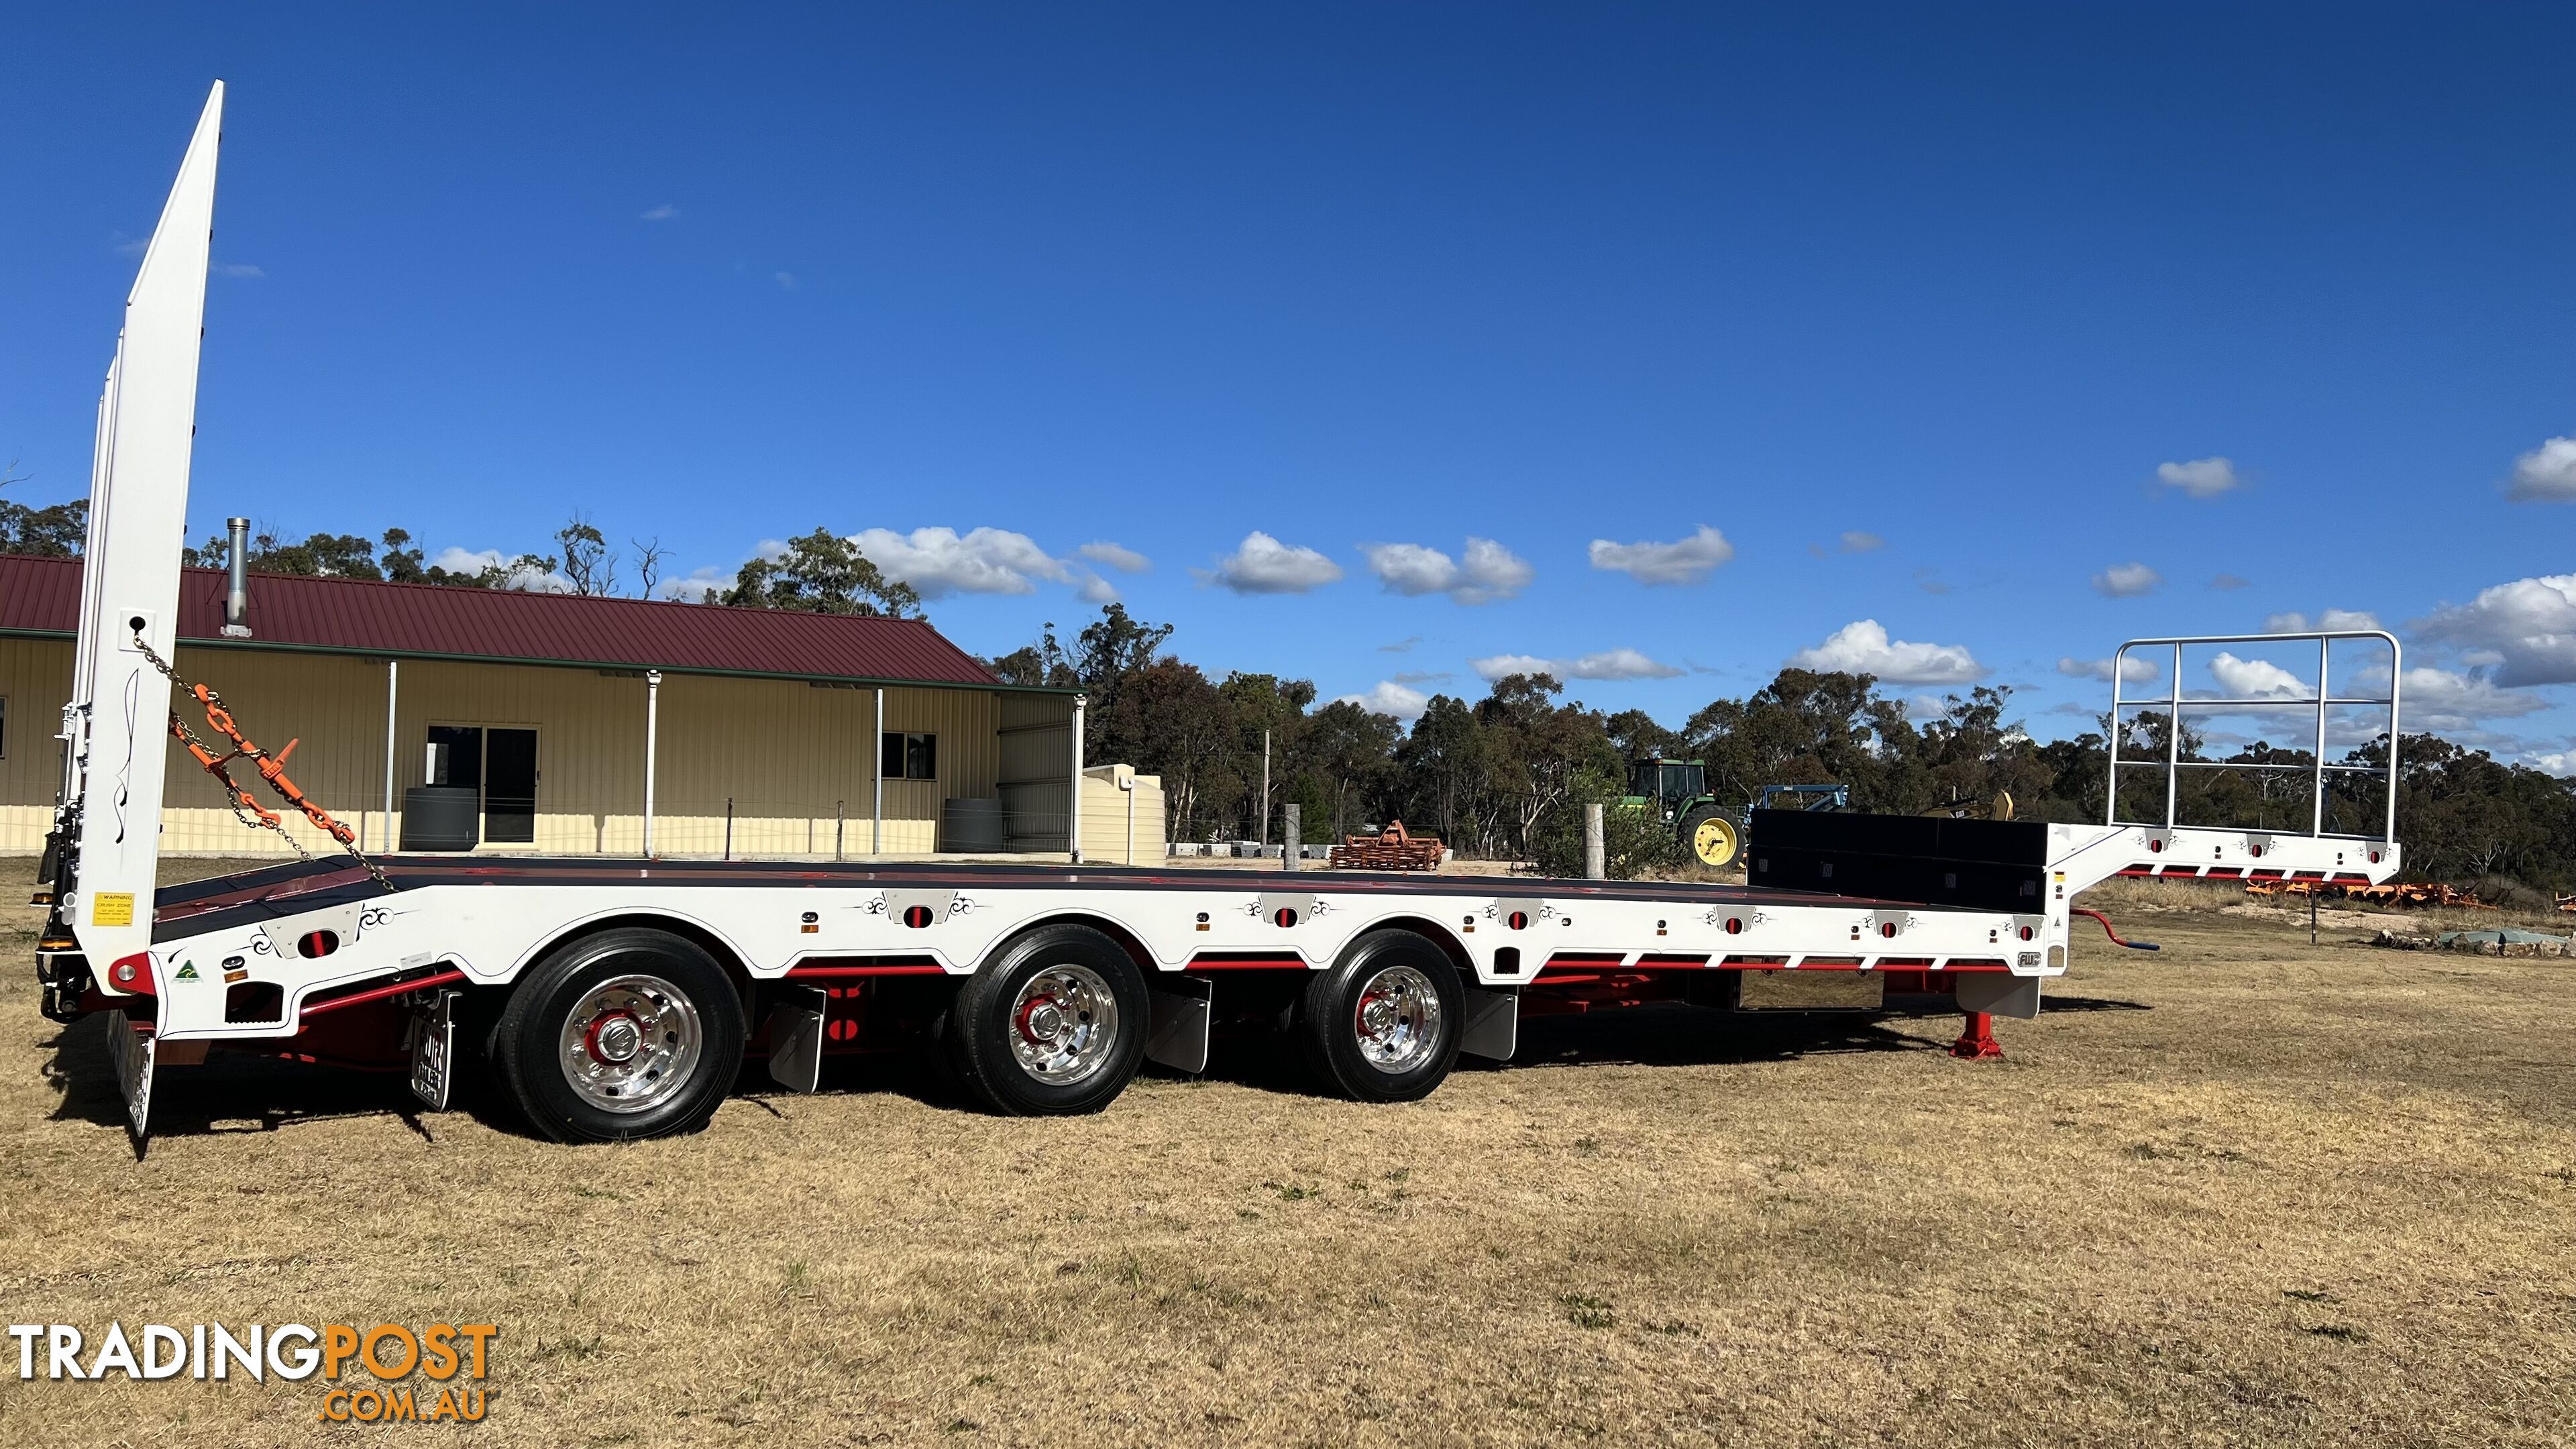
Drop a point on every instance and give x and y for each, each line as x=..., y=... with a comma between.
x=1596, y=865
x=1292, y=833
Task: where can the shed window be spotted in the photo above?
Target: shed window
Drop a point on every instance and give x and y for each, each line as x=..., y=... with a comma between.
x=911, y=757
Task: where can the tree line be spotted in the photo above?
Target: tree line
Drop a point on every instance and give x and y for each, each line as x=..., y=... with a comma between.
x=1507, y=775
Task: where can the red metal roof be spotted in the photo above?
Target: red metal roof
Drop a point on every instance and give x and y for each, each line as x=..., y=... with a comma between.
x=424, y=621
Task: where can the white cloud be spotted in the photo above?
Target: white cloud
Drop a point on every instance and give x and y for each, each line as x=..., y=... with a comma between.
x=1125, y=560
x=1491, y=572
x=2527, y=627
x=664, y=212
x=1264, y=565
x=2231, y=581
x=1608, y=664
x=2546, y=474
x=938, y=562
x=2133, y=669
x=697, y=586
x=2257, y=679
x=2332, y=621
x=2561, y=763
x=235, y=269
x=1861, y=541
x=1390, y=698
x=1684, y=561
x=2448, y=702
x=2127, y=581
x=2201, y=477
x=1093, y=589
x=475, y=561
x=785, y=280
x=1862, y=647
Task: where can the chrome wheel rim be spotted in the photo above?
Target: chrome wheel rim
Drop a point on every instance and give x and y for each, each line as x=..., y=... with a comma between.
x=631, y=1044
x=1064, y=1024
x=1398, y=1019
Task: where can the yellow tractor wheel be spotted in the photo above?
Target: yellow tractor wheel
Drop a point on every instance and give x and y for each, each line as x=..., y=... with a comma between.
x=1713, y=839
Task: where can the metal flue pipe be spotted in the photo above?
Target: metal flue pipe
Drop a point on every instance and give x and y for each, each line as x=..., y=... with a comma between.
x=237, y=588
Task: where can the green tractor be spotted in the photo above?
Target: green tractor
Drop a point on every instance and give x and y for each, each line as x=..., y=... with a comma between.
x=1676, y=791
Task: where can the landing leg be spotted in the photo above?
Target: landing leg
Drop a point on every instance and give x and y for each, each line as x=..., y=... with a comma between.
x=1977, y=1042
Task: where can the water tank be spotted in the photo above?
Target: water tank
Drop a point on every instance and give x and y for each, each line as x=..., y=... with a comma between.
x=970, y=827
x=441, y=817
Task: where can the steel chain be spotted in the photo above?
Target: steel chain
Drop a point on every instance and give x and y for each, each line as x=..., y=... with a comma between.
x=235, y=797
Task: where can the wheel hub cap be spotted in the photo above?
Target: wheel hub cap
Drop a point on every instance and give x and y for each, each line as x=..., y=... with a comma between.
x=631, y=1043
x=1064, y=1024
x=1398, y=1021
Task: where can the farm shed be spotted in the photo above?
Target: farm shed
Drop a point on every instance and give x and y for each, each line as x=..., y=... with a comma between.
x=771, y=733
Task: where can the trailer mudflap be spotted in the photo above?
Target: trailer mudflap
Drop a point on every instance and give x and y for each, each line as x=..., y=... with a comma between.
x=1176, y=1035
x=1492, y=1025
x=433, y=1049
x=133, y=1045
x=796, y=1036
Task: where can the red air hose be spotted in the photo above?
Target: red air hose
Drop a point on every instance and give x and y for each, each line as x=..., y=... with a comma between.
x=2114, y=935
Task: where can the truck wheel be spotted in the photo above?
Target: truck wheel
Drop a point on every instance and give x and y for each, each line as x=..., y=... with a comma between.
x=1382, y=1025
x=627, y=1034
x=1712, y=839
x=1052, y=1025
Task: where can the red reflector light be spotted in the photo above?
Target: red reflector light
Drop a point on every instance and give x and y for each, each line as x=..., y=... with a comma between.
x=1517, y=920
x=1284, y=917
x=916, y=917
x=317, y=943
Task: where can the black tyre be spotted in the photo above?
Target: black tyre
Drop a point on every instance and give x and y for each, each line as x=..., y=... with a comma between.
x=1052, y=1025
x=1382, y=1025
x=1711, y=837
x=627, y=1034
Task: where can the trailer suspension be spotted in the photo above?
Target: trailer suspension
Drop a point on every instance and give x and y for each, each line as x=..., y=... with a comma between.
x=271, y=767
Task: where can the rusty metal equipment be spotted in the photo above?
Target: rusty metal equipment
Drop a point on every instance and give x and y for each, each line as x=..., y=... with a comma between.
x=1390, y=849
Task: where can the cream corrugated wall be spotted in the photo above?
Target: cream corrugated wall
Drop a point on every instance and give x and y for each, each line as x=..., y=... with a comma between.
x=35, y=679
x=796, y=761
x=1106, y=821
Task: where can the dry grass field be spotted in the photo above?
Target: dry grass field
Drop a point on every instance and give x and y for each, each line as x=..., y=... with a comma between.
x=2244, y=1191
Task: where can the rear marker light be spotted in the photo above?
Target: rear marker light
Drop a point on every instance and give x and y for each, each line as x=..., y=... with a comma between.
x=916, y=917
x=317, y=943
x=2025, y=933
x=1283, y=917
x=1734, y=926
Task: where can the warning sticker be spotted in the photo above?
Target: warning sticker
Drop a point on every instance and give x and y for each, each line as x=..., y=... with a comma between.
x=112, y=908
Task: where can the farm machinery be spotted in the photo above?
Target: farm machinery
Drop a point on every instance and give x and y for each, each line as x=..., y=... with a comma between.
x=1676, y=792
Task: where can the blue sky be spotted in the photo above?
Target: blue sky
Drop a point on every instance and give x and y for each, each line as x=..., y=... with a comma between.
x=2001, y=334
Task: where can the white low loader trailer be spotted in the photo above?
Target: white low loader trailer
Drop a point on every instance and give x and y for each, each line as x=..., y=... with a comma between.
x=619, y=999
